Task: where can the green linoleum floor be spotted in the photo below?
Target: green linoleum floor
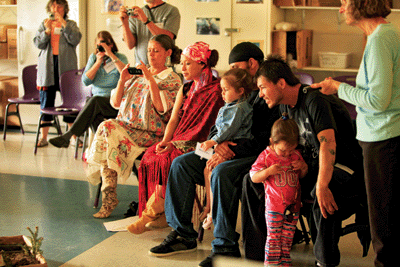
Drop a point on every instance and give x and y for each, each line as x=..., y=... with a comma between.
x=61, y=208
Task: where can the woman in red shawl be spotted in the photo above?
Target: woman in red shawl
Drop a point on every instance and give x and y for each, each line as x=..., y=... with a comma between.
x=195, y=110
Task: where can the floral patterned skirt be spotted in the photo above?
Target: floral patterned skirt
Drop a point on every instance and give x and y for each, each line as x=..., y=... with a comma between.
x=113, y=143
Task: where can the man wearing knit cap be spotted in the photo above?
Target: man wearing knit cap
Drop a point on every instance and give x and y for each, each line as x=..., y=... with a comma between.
x=246, y=56
x=226, y=178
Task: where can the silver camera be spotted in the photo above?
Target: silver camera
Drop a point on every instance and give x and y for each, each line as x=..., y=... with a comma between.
x=129, y=12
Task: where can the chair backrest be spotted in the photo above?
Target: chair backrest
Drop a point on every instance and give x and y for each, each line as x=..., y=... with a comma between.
x=73, y=92
x=29, y=74
x=349, y=79
x=304, y=78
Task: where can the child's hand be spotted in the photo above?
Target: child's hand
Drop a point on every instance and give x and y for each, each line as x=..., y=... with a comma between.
x=207, y=144
x=300, y=165
x=274, y=169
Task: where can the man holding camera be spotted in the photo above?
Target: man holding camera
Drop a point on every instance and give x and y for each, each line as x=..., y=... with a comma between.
x=140, y=24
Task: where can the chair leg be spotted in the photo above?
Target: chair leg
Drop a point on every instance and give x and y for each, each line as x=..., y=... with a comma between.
x=304, y=230
x=96, y=200
x=85, y=136
x=19, y=117
x=38, y=132
x=57, y=125
x=5, y=121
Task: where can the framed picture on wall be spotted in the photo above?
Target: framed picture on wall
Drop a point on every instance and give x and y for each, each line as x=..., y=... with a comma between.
x=249, y=1
x=111, y=6
x=207, y=26
x=259, y=43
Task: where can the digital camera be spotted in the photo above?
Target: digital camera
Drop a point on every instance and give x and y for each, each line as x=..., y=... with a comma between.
x=135, y=71
x=129, y=12
x=100, y=48
x=52, y=17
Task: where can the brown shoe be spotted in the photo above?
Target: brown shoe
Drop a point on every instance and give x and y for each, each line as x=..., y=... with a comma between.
x=159, y=223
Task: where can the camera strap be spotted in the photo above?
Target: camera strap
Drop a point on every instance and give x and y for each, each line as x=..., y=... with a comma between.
x=150, y=13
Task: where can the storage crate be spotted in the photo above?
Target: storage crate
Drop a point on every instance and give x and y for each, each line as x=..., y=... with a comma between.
x=3, y=51
x=3, y=32
x=12, y=43
x=297, y=43
x=290, y=2
x=7, y=2
x=334, y=60
x=325, y=3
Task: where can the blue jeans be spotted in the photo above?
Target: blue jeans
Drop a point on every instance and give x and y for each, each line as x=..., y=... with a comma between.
x=226, y=185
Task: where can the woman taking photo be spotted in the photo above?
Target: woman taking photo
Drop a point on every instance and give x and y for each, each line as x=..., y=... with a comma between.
x=145, y=103
x=377, y=100
x=102, y=74
x=195, y=111
x=57, y=39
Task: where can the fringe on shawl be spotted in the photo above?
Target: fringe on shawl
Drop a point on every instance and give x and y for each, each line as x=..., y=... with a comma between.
x=153, y=168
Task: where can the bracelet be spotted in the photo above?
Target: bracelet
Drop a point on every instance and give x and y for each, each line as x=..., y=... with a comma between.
x=147, y=22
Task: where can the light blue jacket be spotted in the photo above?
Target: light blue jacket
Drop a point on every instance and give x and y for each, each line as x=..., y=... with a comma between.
x=377, y=94
x=67, y=58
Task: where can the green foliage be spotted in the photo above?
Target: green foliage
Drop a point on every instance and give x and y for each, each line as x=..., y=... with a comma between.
x=35, y=242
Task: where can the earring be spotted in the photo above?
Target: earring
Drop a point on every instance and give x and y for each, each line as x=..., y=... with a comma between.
x=168, y=61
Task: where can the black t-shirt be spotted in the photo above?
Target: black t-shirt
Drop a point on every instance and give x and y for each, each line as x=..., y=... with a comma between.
x=315, y=112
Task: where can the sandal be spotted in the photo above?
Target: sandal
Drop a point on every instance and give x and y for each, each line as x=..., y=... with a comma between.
x=73, y=142
x=42, y=142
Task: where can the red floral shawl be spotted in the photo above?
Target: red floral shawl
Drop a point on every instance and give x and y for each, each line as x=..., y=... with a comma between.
x=197, y=115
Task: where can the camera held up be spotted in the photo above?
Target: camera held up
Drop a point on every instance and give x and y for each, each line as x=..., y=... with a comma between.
x=134, y=71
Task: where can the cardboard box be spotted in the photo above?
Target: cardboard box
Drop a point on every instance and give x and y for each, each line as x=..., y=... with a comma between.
x=290, y=2
x=326, y=3
x=3, y=51
x=3, y=32
x=296, y=43
x=7, y=2
x=12, y=43
x=8, y=89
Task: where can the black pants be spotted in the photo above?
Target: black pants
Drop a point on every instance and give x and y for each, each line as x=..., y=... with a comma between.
x=254, y=229
x=96, y=109
x=382, y=178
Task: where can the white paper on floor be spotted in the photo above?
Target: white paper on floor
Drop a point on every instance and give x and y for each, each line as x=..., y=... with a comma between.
x=120, y=225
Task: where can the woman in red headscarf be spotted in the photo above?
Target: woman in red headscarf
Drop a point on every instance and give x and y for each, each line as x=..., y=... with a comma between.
x=195, y=110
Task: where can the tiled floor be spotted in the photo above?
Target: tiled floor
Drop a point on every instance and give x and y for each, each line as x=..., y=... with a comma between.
x=49, y=190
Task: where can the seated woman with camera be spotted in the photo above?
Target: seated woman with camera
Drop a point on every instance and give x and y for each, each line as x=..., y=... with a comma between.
x=102, y=72
x=145, y=103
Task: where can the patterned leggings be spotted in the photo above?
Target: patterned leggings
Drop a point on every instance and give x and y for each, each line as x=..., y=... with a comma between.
x=279, y=239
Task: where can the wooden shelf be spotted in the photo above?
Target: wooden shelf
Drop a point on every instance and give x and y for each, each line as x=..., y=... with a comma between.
x=320, y=8
x=8, y=5
x=315, y=68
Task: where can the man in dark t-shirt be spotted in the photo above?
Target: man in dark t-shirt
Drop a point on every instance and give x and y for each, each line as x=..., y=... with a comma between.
x=334, y=158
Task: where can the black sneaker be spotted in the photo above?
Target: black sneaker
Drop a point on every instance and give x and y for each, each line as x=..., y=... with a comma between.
x=173, y=244
x=207, y=262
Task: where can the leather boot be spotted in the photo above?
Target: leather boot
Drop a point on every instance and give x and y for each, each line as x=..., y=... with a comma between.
x=160, y=222
x=108, y=190
x=154, y=209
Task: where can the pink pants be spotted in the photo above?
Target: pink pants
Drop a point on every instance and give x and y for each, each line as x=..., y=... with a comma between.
x=279, y=239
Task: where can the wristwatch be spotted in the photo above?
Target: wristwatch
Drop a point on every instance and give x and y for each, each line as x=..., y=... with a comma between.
x=147, y=22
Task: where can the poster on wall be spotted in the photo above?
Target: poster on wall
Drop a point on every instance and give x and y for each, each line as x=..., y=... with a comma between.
x=249, y=1
x=112, y=6
x=207, y=26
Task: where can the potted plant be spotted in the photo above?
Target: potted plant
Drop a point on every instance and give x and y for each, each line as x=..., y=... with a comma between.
x=22, y=250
